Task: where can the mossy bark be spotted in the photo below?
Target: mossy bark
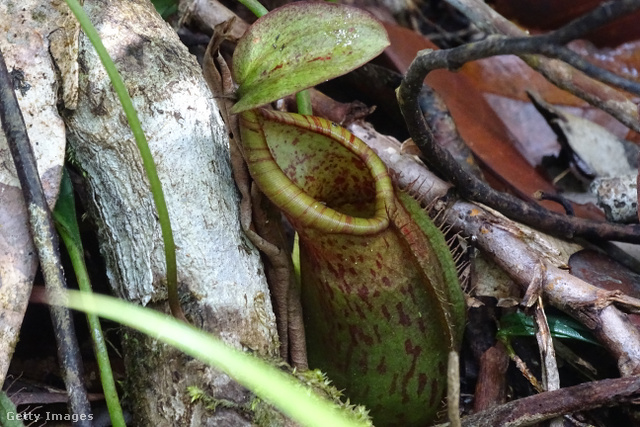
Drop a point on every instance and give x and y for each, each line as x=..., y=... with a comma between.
x=220, y=278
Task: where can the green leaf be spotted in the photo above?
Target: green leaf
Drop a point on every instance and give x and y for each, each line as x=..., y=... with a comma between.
x=520, y=324
x=300, y=45
x=64, y=213
x=267, y=382
x=8, y=413
x=165, y=8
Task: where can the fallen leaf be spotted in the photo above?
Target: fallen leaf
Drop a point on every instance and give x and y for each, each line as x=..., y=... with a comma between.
x=484, y=132
x=25, y=47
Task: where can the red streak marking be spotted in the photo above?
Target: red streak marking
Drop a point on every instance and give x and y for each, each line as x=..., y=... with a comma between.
x=355, y=332
x=403, y=317
x=361, y=313
x=410, y=350
x=382, y=366
x=422, y=383
x=314, y=122
x=332, y=269
x=394, y=383
x=277, y=67
x=412, y=294
x=421, y=325
x=375, y=331
x=385, y=312
x=320, y=58
x=434, y=387
x=363, y=293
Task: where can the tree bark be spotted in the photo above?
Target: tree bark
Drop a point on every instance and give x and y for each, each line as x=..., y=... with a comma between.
x=221, y=282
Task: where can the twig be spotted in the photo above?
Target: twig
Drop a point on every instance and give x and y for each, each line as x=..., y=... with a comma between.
x=469, y=186
x=46, y=242
x=534, y=290
x=592, y=91
x=566, y=204
x=540, y=407
x=533, y=295
x=515, y=250
x=453, y=389
x=508, y=246
x=522, y=367
x=550, y=374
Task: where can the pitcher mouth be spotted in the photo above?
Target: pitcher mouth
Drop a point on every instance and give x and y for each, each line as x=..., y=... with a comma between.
x=262, y=158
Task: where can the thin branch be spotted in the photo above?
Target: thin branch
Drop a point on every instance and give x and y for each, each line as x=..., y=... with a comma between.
x=592, y=91
x=471, y=187
x=519, y=252
x=550, y=374
x=453, y=389
x=599, y=16
x=46, y=242
x=544, y=406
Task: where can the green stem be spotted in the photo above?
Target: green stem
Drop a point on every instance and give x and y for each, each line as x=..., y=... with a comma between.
x=255, y=7
x=303, y=99
x=66, y=223
x=303, y=405
x=145, y=153
x=104, y=365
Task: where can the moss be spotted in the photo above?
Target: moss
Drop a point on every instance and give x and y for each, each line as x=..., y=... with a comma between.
x=263, y=414
x=318, y=381
x=210, y=402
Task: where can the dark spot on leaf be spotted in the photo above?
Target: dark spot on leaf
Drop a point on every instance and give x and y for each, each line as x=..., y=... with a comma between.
x=361, y=315
x=394, y=384
x=375, y=331
x=434, y=395
x=410, y=350
x=385, y=312
x=422, y=382
x=403, y=317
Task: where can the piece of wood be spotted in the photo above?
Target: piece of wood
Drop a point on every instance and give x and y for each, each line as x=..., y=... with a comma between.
x=220, y=277
x=32, y=56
